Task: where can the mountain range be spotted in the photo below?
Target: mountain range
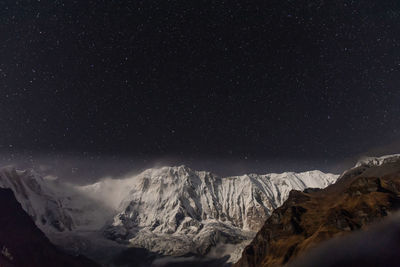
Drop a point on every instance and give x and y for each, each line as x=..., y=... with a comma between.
x=176, y=216
x=169, y=211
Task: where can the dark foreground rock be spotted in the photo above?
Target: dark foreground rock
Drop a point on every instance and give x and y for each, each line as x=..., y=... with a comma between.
x=23, y=244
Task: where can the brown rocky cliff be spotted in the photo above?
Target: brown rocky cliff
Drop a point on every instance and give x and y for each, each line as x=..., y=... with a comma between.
x=307, y=218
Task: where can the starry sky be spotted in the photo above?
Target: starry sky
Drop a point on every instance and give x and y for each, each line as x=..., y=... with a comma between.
x=228, y=80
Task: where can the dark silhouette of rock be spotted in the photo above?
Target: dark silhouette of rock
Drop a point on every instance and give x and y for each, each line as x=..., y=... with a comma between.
x=23, y=244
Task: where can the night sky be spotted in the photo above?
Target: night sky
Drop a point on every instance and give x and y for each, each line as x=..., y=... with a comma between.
x=227, y=80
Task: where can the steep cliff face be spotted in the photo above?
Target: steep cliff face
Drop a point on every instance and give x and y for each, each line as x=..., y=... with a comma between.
x=23, y=244
x=176, y=210
x=364, y=194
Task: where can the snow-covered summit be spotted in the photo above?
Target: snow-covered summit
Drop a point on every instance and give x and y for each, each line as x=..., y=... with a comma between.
x=177, y=205
x=377, y=161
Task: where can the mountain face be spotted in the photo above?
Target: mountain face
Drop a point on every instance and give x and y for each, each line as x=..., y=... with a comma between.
x=363, y=195
x=176, y=210
x=170, y=210
x=55, y=207
x=23, y=244
x=37, y=199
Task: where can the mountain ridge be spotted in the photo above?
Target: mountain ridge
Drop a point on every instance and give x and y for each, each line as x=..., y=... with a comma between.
x=362, y=195
x=168, y=210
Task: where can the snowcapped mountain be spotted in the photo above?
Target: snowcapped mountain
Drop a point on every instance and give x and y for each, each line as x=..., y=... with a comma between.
x=23, y=244
x=169, y=210
x=38, y=198
x=377, y=161
x=54, y=206
x=175, y=210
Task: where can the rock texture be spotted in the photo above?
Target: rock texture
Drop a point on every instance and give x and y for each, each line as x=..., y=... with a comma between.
x=175, y=210
x=364, y=194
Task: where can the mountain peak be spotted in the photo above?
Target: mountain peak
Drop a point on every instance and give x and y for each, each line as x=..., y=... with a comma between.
x=167, y=169
x=179, y=205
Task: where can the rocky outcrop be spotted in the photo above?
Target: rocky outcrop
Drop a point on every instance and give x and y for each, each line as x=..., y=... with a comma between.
x=365, y=194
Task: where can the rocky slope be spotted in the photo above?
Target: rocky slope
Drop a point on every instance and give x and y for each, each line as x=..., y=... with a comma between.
x=23, y=244
x=364, y=194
